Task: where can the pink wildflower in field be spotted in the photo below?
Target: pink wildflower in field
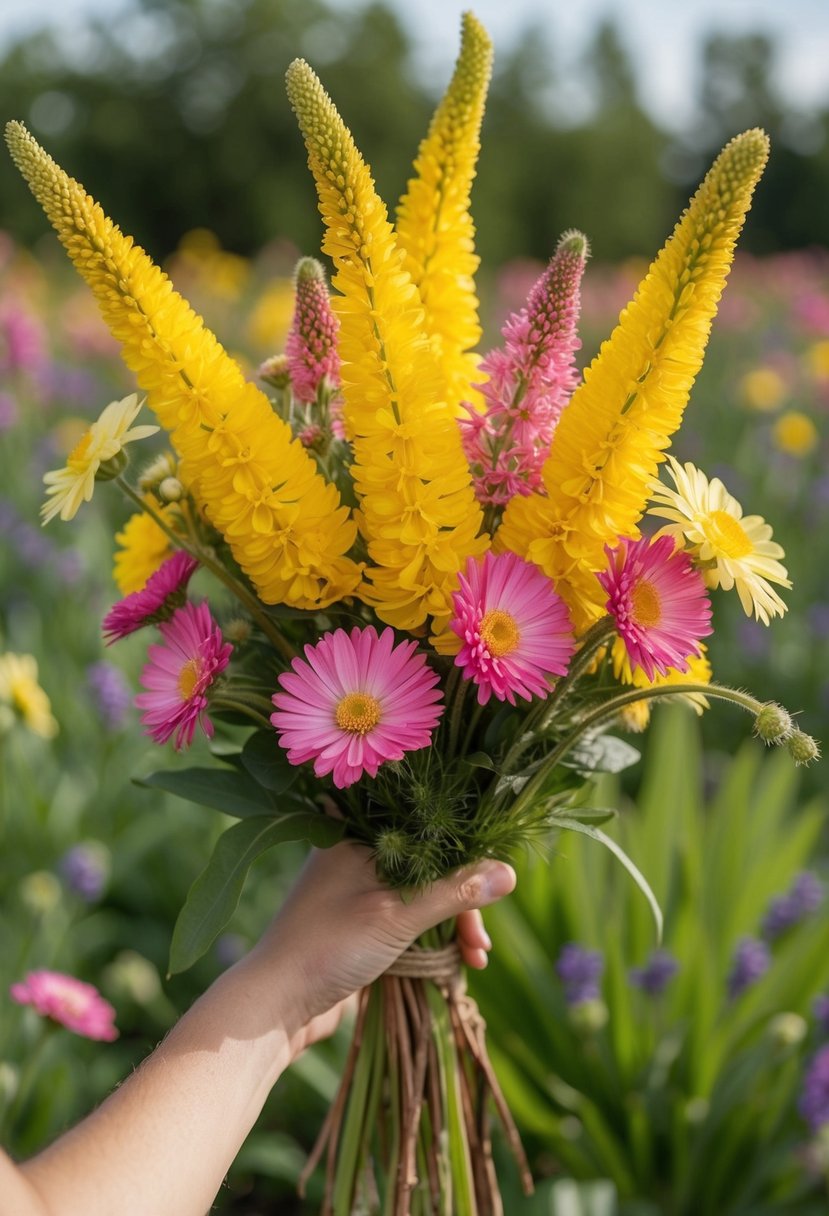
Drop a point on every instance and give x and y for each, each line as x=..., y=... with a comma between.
x=72, y=1003
x=529, y=382
x=179, y=674
x=659, y=602
x=163, y=592
x=514, y=628
x=354, y=702
x=311, y=347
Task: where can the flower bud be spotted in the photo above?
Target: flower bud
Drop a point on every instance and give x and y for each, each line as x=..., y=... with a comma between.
x=171, y=490
x=40, y=892
x=787, y=1029
x=589, y=1017
x=132, y=976
x=773, y=723
x=275, y=371
x=156, y=472
x=803, y=749
x=238, y=630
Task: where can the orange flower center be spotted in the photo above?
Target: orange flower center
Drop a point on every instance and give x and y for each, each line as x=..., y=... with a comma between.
x=647, y=610
x=499, y=633
x=188, y=678
x=727, y=534
x=358, y=712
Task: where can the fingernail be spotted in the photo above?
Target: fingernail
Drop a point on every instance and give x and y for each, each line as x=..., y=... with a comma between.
x=499, y=880
x=487, y=939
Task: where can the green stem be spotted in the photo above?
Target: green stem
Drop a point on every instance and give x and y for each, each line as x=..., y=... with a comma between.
x=609, y=709
x=206, y=558
x=349, y=1156
x=460, y=1178
x=239, y=707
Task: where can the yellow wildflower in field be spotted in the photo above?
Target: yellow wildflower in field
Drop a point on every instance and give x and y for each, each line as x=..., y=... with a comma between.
x=434, y=225
x=795, y=433
x=417, y=508
x=732, y=549
x=817, y=360
x=104, y=440
x=611, y=436
x=763, y=389
x=21, y=695
x=144, y=546
x=283, y=522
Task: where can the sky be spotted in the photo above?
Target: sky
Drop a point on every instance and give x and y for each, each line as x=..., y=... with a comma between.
x=661, y=35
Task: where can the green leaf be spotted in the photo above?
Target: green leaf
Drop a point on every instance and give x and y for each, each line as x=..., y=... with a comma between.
x=602, y=754
x=573, y=825
x=480, y=760
x=212, y=899
x=584, y=814
x=266, y=761
x=235, y=793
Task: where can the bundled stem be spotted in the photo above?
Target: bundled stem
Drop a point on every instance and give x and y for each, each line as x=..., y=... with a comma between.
x=409, y=1125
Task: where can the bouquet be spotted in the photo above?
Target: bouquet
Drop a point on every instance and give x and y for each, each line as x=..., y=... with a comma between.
x=442, y=600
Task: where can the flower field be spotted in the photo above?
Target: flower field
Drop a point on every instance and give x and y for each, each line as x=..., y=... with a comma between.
x=730, y=1020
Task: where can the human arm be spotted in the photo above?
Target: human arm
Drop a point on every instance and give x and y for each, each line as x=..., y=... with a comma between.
x=163, y=1142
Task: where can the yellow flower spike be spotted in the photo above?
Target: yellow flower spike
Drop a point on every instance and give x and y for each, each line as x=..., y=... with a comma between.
x=218, y=421
x=612, y=434
x=417, y=507
x=434, y=226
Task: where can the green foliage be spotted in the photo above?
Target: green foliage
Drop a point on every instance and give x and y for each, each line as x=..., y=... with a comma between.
x=685, y=1102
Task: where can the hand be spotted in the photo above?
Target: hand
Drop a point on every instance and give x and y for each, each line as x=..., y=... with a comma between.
x=341, y=928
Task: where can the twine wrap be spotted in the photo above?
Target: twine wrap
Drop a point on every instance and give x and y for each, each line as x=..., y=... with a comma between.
x=442, y=966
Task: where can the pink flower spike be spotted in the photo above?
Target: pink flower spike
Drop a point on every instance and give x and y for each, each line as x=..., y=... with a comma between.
x=659, y=603
x=355, y=701
x=529, y=382
x=179, y=674
x=72, y=1003
x=515, y=629
x=311, y=346
x=163, y=592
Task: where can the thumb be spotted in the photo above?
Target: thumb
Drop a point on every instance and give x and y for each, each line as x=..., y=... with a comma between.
x=472, y=887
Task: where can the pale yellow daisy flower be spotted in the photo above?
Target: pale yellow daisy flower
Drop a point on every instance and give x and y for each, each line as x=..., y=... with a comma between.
x=22, y=697
x=68, y=487
x=731, y=549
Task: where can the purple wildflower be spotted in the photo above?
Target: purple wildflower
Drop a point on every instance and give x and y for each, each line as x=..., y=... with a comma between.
x=580, y=971
x=813, y=1104
x=656, y=974
x=802, y=899
x=751, y=961
x=529, y=382
x=85, y=869
x=111, y=694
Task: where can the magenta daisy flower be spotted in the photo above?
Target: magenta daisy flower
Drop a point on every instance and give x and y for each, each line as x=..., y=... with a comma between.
x=72, y=1003
x=515, y=629
x=155, y=602
x=358, y=701
x=179, y=674
x=659, y=603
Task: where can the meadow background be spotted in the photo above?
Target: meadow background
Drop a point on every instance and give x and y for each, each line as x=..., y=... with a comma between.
x=176, y=120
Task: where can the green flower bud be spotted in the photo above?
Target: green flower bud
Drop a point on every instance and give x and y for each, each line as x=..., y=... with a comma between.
x=274, y=371
x=773, y=723
x=133, y=976
x=589, y=1017
x=40, y=892
x=238, y=630
x=787, y=1029
x=803, y=749
x=108, y=470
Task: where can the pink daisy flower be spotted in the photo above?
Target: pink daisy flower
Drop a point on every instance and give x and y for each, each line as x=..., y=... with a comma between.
x=659, y=603
x=515, y=629
x=75, y=1005
x=358, y=701
x=179, y=674
x=156, y=601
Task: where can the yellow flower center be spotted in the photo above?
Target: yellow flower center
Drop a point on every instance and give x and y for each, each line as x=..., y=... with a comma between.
x=77, y=457
x=499, y=633
x=727, y=534
x=647, y=610
x=358, y=712
x=188, y=678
